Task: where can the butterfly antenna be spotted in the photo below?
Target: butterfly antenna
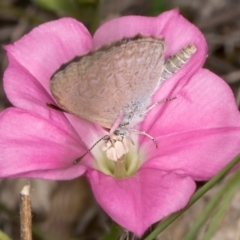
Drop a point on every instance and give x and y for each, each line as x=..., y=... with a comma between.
x=89, y=150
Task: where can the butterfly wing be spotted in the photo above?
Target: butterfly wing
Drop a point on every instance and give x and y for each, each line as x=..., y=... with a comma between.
x=119, y=77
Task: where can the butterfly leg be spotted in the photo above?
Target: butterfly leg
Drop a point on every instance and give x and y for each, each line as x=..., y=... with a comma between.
x=157, y=103
x=116, y=123
x=149, y=109
x=145, y=134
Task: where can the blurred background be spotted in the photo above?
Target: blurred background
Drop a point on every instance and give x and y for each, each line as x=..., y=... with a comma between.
x=66, y=210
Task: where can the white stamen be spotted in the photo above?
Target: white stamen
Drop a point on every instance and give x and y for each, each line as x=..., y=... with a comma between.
x=120, y=149
x=126, y=143
x=116, y=147
x=111, y=154
x=106, y=146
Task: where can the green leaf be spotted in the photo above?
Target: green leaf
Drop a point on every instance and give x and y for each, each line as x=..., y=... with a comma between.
x=86, y=11
x=3, y=236
x=231, y=189
x=86, y=1
x=47, y=4
x=222, y=198
x=61, y=7
x=114, y=233
x=166, y=222
x=157, y=7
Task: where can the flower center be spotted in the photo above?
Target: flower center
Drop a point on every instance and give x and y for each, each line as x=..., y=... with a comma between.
x=116, y=147
x=120, y=157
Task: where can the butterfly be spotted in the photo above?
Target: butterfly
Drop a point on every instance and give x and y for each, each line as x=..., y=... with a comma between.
x=114, y=84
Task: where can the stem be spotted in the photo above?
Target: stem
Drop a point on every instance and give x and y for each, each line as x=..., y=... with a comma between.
x=25, y=214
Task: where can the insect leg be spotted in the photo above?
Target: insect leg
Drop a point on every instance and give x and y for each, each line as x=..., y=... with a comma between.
x=158, y=102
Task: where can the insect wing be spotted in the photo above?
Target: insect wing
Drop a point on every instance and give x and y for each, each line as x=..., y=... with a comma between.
x=122, y=76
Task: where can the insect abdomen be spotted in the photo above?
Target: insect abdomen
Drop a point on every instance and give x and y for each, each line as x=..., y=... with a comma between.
x=177, y=61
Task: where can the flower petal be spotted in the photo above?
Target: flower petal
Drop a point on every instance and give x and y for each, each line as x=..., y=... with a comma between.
x=44, y=50
x=205, y=102
x=199, y=154
x=26, y=80
x=89, y=132
x=30, y=143
x=33, y=97
x=139, y=201
x=176, y=30
x=24, y=91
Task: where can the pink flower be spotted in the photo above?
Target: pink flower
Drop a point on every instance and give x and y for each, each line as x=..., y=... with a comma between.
x=198, y=133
